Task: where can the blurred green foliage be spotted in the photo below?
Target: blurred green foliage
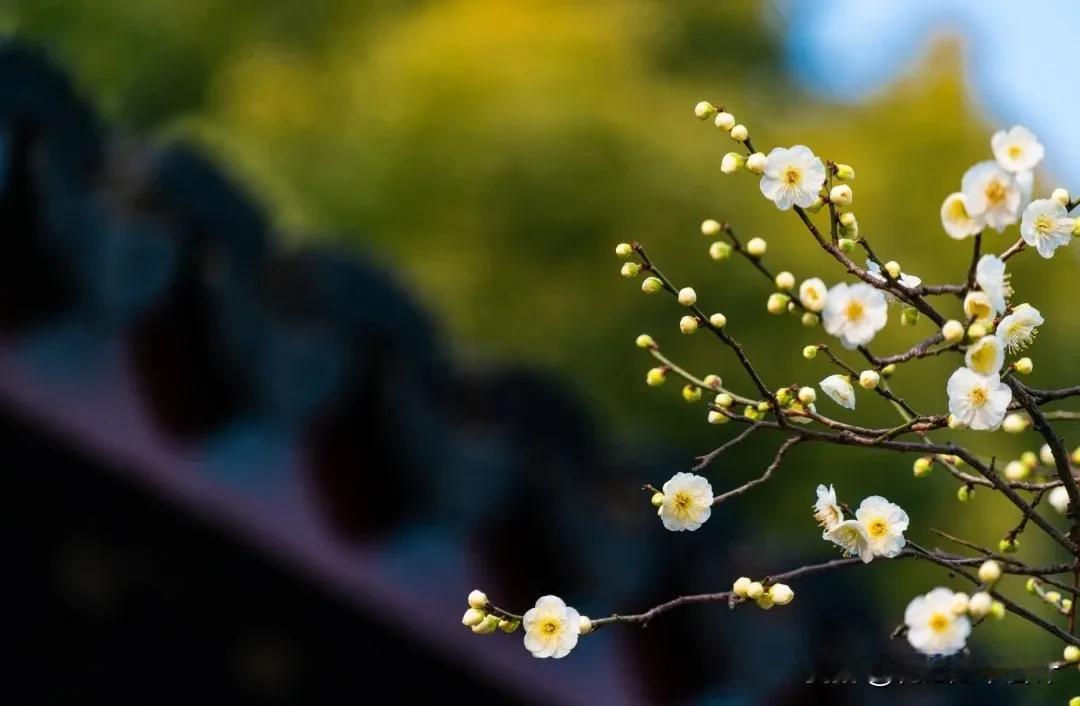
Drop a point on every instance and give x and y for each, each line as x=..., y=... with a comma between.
x=494, y=151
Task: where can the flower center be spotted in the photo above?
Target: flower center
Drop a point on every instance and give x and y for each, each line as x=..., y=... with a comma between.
x=983, y=358
x=550, y=626
x=939, y=622
x=683, y=501
x=957, y=210
x=792, y=176
x=978, y=396
x=978, y=310
x=1015, y=151
x=877, y=527
x=1044, y=224
x=995, y=192
x=854, y=310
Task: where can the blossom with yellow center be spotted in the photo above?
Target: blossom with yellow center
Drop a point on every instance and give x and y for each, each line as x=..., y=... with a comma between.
x=985, y=356
x=827, y=510
x=792, y=177
x=978, y=401
x=978, y=308
x=933, y=627
x=883, y=523
x=812, y=293
x=991, y=195
x=851, y=537
x=551, y=628
x=854, y=313
x=956, y=220
x=1017, y=330
x=1017, y=149
x=1046, y=226
x=687, y=502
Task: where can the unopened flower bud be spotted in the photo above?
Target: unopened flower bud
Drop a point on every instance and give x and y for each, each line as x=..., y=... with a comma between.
x=841, y=195
x=473, y=617
x=1029, y=459
x=691, y=393
x=710, y=227
x=764, y=406
x=624, y=250
x=781, y=593
x=1024, y=366
x=922, y=466
x=509, y=626
x=976, y=331
x=847, y=219
x=657, y=499
x=715, y=417
x=756, y=247
x=1014, y=423
x=785, y=281
x=1031, y=585
x=909, y=316
x=893, y=268
x=704, y=110
x=486, y=626
x=651, y=285
x=718, y=320
x=1052, y=597
x=989, y=572
x=585, y=625
x=1076, y=228
x=713, y=381
x=1016, y=470
x=755, y=590
x=687, y=296
x=720, y=250
x=732, y=162
x=777, y=303
x=810, y=319
x=741, y=586
x=724, y=400
x=1074, y=701
x=960, y=603
x=1046, y=455
x=997, y=610
x=888, y=370
x=725, y=121
x=630, y=269
x=750, y=412
x=816, y=205
x=755, y=163
x=979, y=604
x=478, y=599
x=844, y=172
x=688, y=324
x=784, y=396
x=964, y=493
x=953, y=331
x=1071, y=653
x=1061, y=196
x=655, y=377
x=847, y=245
x=869, y=379
x=807, y=395
x=810, y=352
x=1008, y=546
x=740, y=133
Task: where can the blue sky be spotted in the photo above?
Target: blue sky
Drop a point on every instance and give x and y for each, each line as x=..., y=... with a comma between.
x=1020, y=58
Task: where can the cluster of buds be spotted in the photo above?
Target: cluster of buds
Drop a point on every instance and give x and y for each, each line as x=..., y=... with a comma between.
x=979, y=605
x=481, y=621
x=1050, y=597
x=765, y=596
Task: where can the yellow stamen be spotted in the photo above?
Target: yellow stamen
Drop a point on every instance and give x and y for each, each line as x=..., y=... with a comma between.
x=978, y=396
x=995, y=192
x=939, y=622
x=1044, y=224
x=792, y=176
x=1015, y=151
x=854, y=310
x=877, y=527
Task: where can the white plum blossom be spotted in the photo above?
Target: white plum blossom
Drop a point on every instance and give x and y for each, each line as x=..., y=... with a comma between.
x=687, y=502
x=812, y=294
x=1017, y=149
x=851, y=537
x=985, y=356
x=1017, y=330
x=883, y=523
x=991, y=195
x=978, y=401
x=855, y=313
x=792, y=177
x=992, y=280
x=1046, y=226
x=956, y=220
x=874, y=270
x=1059, y=499
x=933, y=627
x=827, y=510
x=551, y=628
x=839, y=390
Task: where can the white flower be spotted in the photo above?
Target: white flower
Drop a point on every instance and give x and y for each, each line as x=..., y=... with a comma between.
x=1017, y=330
x=986, y=356
x=792, y=177
x=1017, y=149
x=551, y=628
x=1059, y=499
x=839, y=390
x=851, y=536
x=687, y=502
x=956, y=220
x=812, y=294
x=1046, y=226
x=855, y=313
x=991, y=278
x=933, y=627
x=991, y=195
x=883, y=524
x=827, y=510
x=977, y=306
x=874, y=270
x=978, y=401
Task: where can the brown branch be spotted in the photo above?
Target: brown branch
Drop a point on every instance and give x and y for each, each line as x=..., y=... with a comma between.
x=703, y=461
x=777, y=460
